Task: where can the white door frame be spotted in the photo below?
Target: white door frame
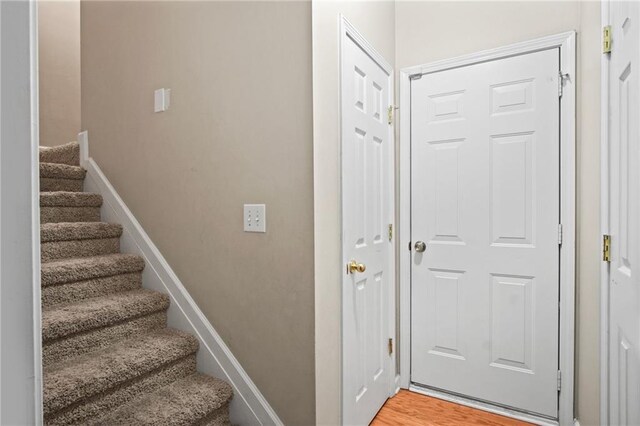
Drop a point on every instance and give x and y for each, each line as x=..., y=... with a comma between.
x=349, y=32
x=604, y=225
x=566, y=42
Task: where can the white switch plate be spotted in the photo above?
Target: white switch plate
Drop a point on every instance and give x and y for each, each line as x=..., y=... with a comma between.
x=255, y=218
x=161, y=100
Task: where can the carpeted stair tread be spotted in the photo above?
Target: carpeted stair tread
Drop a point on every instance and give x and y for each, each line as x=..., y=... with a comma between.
x=72, y=270
x=65, y=320
x=70, y=199
x=68, y=231
x=68, y=153
x=89, y=375
x=184, y=402
x=86, y=289
x=61, y=171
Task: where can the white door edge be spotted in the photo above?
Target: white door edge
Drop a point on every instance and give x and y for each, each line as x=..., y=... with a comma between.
x=348, y=31
x=604, y=225
x=566, y=42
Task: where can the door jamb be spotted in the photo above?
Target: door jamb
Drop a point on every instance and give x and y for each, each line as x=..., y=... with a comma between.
x=348, y=31
x=604, y=224
x=566, y=42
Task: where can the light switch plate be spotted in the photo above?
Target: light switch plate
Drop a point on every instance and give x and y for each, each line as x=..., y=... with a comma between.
x=255, y=218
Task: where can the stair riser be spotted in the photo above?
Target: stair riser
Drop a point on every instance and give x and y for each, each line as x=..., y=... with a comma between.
x=59, y=184
x=80, y=290
x=79, y=344
x=69, y=214
x=101, y=403
x=55, y=250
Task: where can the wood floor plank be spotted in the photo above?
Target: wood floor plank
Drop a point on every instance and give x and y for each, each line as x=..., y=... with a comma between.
x=413, y=409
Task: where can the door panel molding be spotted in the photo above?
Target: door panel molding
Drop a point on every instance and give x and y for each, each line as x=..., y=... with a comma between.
x=566, y=42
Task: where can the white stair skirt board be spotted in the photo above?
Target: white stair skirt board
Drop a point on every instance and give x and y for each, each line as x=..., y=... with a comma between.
x=248, y=406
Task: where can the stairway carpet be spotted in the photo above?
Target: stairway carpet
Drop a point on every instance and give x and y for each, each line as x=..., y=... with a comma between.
x=96, y=375
x=107, y=353
x=55, y=294
x=188, y=401
x=68, y=153
x=62, y=350
x=65, y=320
x=71, y=270
x=69, y=240
x=61, y=177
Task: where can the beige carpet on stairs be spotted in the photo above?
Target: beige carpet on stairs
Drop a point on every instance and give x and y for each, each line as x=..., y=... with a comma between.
x=108, y=356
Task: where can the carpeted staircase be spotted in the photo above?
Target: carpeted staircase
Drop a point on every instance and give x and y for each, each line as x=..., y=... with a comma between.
x=108, y=356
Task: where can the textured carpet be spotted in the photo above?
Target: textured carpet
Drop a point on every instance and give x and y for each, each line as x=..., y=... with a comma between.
x=108, y=356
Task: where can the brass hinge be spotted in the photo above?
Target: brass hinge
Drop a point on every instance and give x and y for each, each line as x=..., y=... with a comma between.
x=390, y=232
x=390, y=114
x=390, y=346
x=606, y=248
x=606, y=39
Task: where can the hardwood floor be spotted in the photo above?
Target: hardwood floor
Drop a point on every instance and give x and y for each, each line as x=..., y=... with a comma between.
x=413, y=409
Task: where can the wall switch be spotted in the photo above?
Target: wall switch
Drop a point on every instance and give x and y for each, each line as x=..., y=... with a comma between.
x=161, y=100
x=255, y=218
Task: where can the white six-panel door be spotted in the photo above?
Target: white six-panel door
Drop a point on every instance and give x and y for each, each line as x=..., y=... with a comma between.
x=367, y=202
x=485, y=197
x=624, y=215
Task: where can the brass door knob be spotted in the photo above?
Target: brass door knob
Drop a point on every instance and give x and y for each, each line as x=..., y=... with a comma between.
x=353, y=267
x=420, y=246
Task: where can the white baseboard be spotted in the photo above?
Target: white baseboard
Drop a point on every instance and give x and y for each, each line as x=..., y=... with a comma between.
x=248, y=407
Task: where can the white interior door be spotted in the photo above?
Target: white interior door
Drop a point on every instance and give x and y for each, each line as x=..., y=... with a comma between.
x=485, y=198
x=367, y=153
x=624, y=216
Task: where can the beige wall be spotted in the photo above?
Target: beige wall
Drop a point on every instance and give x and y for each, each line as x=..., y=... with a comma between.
x=437, y=30
x=239, y=131
x=375, y=20
x=59, y=70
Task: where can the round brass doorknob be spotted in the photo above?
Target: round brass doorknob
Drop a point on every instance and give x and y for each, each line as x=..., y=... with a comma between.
x=354, y=267
x=420, y=246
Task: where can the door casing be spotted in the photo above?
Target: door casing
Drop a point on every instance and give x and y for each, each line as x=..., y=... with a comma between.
x=349, y=32
x=566, y=42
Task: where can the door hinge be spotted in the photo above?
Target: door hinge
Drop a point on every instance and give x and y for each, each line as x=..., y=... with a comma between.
x=561, y=79
x=606, y=39
x=390, y=114
x=606, y=248
x=390, y=345
x=559, y=234
x=390, y=232
x=559, y=380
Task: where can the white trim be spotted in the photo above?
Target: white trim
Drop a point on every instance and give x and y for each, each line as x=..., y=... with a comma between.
x=604, y=225
x=35, y=211
x=404, y=226
x=566, y=42
x=348, y=31
x=468, y=402
x=214, y=357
